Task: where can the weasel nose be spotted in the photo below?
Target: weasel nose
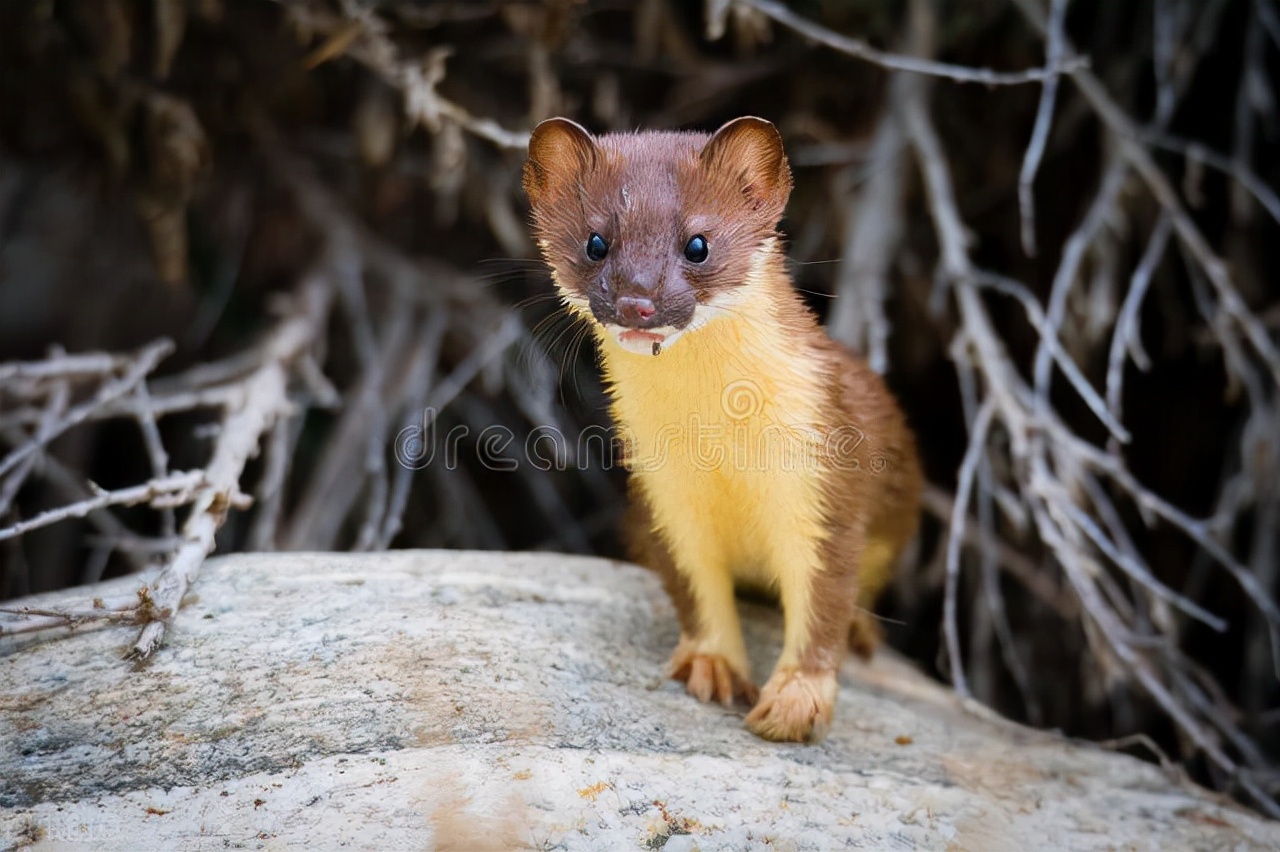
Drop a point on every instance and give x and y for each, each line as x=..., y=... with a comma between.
x=635, y=310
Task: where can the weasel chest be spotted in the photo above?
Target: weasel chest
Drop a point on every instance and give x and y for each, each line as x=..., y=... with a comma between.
x=727, y=453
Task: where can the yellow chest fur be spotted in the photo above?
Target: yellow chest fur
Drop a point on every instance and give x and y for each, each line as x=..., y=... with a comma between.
x=720, y=432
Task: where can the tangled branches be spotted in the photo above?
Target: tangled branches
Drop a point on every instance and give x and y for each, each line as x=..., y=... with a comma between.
x=1069, y=489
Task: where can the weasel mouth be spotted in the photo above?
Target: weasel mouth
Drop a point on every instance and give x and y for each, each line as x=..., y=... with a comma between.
x=643, y=341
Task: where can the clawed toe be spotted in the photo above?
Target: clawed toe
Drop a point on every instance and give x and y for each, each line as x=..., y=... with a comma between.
x=710, y=677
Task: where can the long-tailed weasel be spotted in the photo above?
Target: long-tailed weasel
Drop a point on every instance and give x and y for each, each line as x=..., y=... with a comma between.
x=761, y=452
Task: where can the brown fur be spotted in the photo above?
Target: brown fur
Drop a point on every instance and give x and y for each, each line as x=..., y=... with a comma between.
x=645, y=194
x=578, y=185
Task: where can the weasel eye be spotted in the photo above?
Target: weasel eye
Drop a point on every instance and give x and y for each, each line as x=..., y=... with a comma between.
x=695, y=251
x=597, y=248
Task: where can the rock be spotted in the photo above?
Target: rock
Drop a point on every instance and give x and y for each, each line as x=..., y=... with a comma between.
x=452, y=700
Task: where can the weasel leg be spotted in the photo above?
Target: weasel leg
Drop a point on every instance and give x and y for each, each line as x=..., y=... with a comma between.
x=875, y=570
x=711, y=658
x=865, y=634
x=817, y=581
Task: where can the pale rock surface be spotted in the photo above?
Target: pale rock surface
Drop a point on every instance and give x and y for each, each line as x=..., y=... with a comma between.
x=447, y=700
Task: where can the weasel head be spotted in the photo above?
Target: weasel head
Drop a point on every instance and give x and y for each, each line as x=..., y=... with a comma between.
x=653, y=233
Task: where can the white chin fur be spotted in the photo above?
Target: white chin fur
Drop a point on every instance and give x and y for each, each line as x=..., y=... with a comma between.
x=643, y=343
x=703, y=314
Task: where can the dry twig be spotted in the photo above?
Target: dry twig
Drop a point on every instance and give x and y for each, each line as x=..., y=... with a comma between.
x=896, y=62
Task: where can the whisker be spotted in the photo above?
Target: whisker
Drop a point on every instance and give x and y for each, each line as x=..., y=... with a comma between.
x=499, y=273
x=506, y=277
x=818, y=293
x=575, y=349
x=539, y=340
x=724, y=309
x=536, y=298
x=510, y=269
x=546, y=322
x=525, y=355
x=529, y=261
x=791, y=262
x=573, y=321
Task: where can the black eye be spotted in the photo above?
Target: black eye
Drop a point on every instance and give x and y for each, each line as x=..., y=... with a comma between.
x=695, y=251
x=597, y=248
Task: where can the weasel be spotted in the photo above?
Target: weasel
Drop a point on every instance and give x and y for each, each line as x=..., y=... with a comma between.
x=761, y=453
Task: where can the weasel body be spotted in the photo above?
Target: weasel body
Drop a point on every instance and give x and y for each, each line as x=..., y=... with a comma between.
x=761, y=452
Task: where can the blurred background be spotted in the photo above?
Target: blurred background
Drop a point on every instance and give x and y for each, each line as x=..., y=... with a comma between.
x=245, y=245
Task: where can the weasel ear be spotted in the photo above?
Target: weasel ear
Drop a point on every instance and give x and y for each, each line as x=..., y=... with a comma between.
x=750, y=150
x=559, y=150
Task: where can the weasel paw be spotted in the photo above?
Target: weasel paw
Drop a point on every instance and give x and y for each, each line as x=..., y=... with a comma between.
x=710, y=676
x=865, y=634
x=794, y=706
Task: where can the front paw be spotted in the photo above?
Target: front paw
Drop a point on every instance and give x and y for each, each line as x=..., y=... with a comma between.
x=710, y=676
x=795, y=706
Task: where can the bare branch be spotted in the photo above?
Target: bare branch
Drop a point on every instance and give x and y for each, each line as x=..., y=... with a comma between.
x=262, y=535
x=1232, y=167
x=156, y=453
x=873, y=232
x=1127, y=335
x=959, y=512
x=63, y=366
x=1040, y=132
x=1049, y=339
x=1065, y=279
x=143, y=363
x=425, y=360
x=128, y=609
x=896, y=62
x=53, y=410
x=362, y=35
x=1129, y=139
x=173, y=490
x=1052, y=467
x=262, y=402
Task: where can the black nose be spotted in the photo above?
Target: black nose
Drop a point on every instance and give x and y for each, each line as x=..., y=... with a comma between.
x=635, y=310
